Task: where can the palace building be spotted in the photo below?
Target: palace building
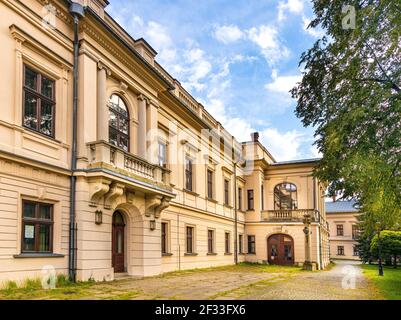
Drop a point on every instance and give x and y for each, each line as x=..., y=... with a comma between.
x=342, y=217
x=109, y=167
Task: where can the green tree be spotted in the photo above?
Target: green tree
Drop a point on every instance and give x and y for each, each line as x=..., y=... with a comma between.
x=390, y=242
x=351, y=94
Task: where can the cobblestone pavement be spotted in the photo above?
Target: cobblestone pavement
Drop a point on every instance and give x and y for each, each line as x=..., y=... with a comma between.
x=344, y=281
x=229, y=283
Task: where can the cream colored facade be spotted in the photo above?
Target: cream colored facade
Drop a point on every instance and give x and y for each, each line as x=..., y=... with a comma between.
x=35, y=167
x=343, y=218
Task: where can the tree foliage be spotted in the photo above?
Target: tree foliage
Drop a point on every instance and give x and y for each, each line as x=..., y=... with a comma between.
x=390, y=244
x=351, y=94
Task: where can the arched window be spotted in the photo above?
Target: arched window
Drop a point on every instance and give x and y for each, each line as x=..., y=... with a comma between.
x=118, y=123
x=285, y=196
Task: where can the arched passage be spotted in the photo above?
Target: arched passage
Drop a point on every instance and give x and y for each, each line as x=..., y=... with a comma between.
x=280, y=249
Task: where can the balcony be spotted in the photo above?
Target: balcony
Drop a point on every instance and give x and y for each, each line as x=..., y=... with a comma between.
x=296, y=215
x=107, y=156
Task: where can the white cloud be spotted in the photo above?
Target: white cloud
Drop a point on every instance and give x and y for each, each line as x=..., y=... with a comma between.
x=283, y=146
x=293, y=6
x=314, y=32
x=266, y=37
x=282, y=84
x=227, y=34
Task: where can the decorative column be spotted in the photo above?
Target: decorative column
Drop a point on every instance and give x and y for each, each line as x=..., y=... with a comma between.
x=308, y=264
x=142, y=126
x=102, y=110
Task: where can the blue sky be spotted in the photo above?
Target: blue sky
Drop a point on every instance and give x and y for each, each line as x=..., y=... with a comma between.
x=238, y=58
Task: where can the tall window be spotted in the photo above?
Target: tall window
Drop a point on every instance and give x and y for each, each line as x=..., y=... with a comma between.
x=37, y=227
x=251, y=244
x=340, y=250
x=285, y=197
x=227, y=242
x=226, y=192
x=210, y=241
x=262, y=197
x=355, y=231
x=190, y=240
x=162, y=154
x=118, y=123
x=240, y=243
x=240, y=199
x=39, y=102
x=340, y=230
x=250, y=200
x=355, y=251
x=210, y=184
x=164, y=237
x=188, y=174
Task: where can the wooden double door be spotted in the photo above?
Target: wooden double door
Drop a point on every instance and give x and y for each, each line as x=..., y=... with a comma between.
x=118, y=243
x=280, y=249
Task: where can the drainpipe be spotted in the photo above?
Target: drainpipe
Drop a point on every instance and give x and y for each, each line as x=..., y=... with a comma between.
x=77, y=11
x=235, y=216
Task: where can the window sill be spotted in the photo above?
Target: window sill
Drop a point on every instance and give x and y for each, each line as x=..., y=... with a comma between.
x=38, y=255
x=191, y=192
x=211, y=254
x=228, y=206
x=250, y=210
x=241, y=254
x=190, y=254
x=251, y=253
x=211, y=200
x=228, y=254
x=167, y=254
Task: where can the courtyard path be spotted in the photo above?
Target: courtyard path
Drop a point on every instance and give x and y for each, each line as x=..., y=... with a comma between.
x=256, y=282
x=345, y=281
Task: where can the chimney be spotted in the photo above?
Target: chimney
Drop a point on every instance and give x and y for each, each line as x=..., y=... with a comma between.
x=255, y=136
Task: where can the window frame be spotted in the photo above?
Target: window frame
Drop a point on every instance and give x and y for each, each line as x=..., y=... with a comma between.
x=278, y=205
x=209, y=183
x=227, y=242
x=37, y=93
x=165, y=248
x=117, y=130
x=189, y=182
x=340, y=251
x=262, y=198
x=355, y=232
x=192, y=242
x=37, y=222
x=226, y=192
x=253, y=243
x=239, y=207
x=240, y=244
x=211, y=234
x=340, y=230
x=250, y=199
x=162, y=160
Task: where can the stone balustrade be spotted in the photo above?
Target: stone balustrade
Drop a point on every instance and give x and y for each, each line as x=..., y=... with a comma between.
x=103, y=154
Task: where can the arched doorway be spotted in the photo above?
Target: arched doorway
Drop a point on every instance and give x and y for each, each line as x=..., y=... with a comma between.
x=280, y=249
x=118, y=239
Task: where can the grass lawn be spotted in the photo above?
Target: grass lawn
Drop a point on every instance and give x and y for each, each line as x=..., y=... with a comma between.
x=389, y=285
